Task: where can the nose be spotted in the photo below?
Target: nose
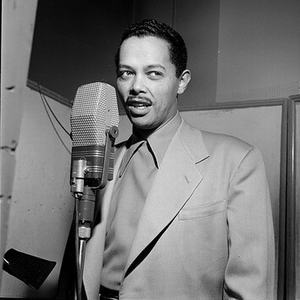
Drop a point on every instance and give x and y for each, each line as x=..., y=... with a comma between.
x=138, y=85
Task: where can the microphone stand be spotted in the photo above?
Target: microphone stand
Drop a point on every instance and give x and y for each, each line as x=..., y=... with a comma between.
x=84, y=190
x=84, y=208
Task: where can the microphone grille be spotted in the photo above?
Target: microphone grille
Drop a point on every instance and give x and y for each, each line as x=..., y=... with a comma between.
x=94, y=110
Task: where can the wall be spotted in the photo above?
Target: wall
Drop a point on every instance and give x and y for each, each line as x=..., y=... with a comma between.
x=238, y=50
x=17, y=28
x=42, y=206
x=259, y=46
x=36, y=206
x=75, y=41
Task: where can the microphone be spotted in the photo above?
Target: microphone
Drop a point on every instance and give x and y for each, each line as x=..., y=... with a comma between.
x=94, y=121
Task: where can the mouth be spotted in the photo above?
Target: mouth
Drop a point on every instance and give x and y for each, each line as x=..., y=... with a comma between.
x=138, y=102
x=138, y=106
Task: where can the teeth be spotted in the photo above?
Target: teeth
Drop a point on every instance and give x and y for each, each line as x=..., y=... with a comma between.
x=138, y=108
x=138, y=105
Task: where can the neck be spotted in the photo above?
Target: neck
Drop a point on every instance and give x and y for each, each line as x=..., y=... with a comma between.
x=145, y=133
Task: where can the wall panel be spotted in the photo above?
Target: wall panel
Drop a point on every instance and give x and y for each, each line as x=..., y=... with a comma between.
x=41, y=206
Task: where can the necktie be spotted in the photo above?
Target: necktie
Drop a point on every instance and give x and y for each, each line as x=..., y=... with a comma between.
x=134, y=181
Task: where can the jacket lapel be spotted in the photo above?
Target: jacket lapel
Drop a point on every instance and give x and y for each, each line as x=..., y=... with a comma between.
x=174, y=183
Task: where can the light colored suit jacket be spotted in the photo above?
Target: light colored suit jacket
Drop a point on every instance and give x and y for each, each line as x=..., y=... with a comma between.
x=206, y=230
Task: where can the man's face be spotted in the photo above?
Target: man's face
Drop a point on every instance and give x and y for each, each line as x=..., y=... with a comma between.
x=147, y=81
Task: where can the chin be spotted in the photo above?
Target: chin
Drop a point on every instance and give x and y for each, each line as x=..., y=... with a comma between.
x=142, y=124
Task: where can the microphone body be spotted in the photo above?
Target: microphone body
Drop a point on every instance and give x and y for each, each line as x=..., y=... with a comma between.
x=94, y=121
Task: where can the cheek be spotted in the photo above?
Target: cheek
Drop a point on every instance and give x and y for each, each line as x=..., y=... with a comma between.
x=167, y=97
x=122, y=88
x=165, y=91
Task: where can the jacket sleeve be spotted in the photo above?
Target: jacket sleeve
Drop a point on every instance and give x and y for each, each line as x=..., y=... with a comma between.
x=250, y=269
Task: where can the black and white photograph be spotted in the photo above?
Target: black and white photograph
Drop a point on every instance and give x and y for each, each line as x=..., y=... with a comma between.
x=150, y=150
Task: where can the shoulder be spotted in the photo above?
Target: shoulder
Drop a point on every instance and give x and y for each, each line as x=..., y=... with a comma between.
x=215, y=141
x=232, y=149
x=223, y=145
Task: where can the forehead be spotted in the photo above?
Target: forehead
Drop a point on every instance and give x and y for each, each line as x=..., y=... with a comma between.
x=145, y=50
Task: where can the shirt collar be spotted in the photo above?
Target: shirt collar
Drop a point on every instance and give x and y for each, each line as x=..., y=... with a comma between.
x=160, y=139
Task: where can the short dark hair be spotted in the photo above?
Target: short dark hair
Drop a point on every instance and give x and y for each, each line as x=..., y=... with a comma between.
x=151, y=27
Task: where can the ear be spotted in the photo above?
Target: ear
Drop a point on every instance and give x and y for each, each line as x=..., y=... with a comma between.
x=184, y=80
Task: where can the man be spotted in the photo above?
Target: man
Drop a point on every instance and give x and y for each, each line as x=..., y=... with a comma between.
x=198, y=225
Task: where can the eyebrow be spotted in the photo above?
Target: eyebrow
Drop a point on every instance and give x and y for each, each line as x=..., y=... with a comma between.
x=147, y=67
x=124, y=66
x=156, y=66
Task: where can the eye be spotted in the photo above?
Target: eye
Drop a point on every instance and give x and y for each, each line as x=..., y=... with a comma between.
x=125, y=74
x=155, y=74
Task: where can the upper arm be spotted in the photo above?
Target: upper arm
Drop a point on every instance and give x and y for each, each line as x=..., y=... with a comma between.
x=250, y=269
